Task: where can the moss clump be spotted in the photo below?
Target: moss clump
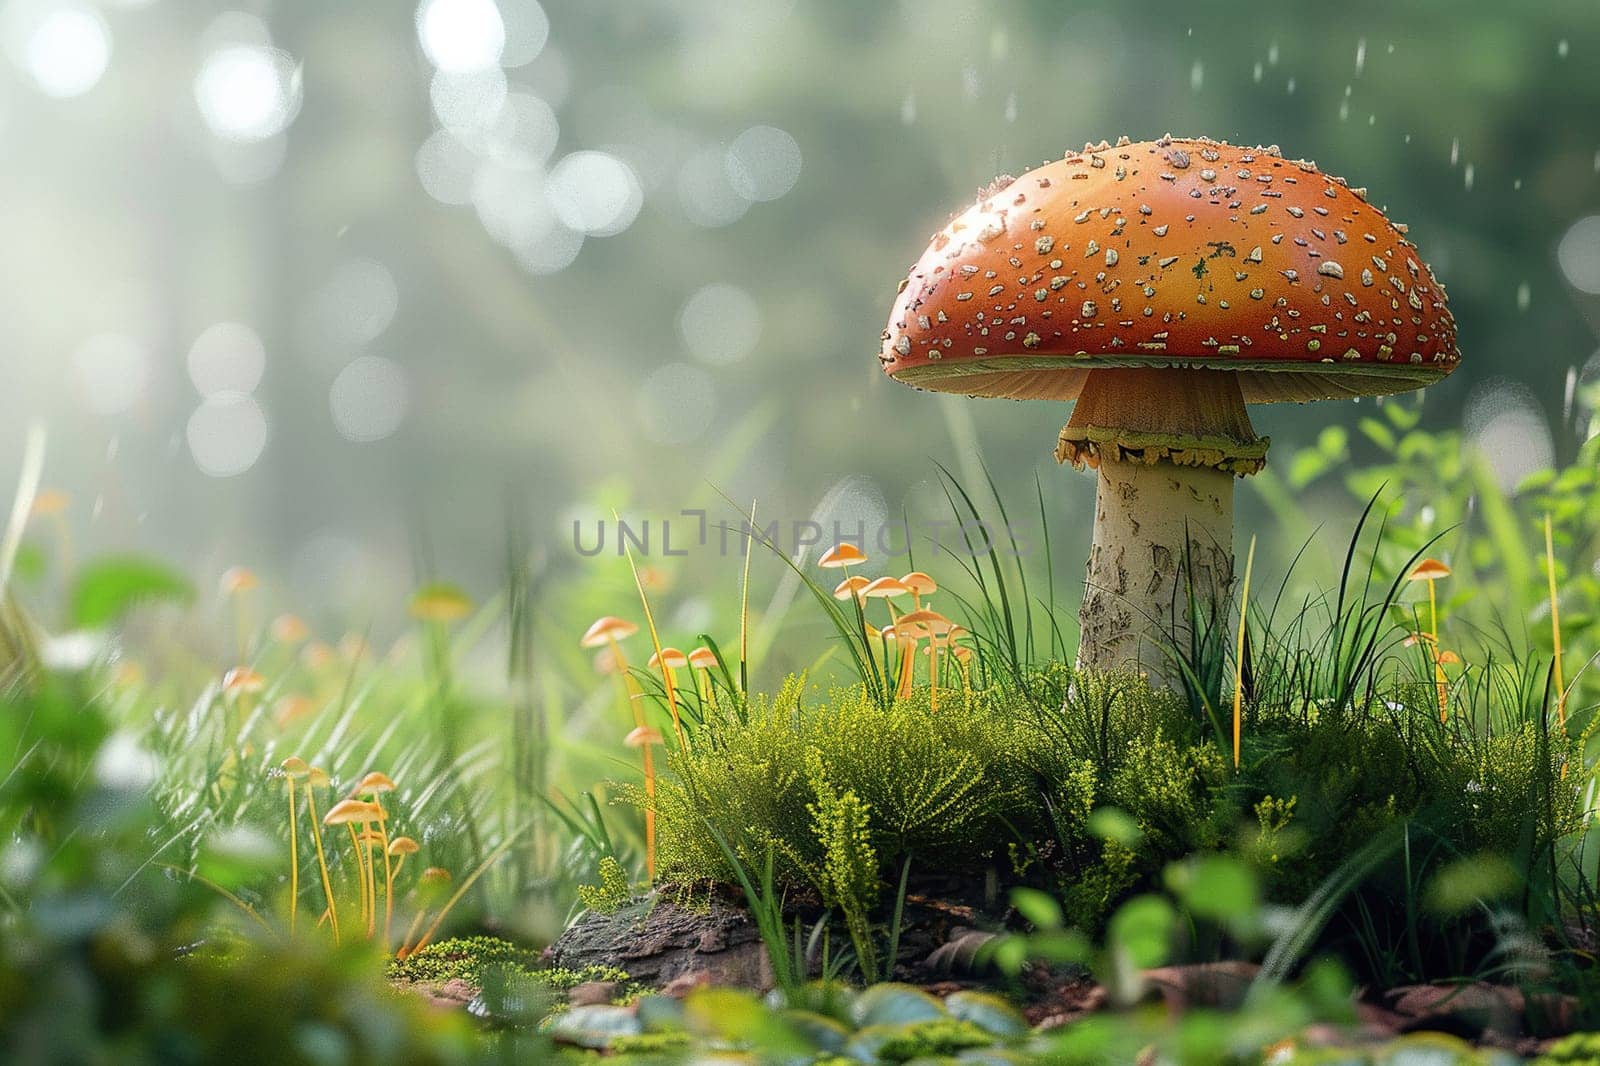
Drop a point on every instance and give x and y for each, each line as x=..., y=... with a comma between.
x=942, y=787
x=470, y=958
x=941, y=1036
x=1579, y=1049
x=612, y=892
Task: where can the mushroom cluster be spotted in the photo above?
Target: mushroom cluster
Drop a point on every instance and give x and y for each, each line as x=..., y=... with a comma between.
x=1161, y=286
x=904, y=631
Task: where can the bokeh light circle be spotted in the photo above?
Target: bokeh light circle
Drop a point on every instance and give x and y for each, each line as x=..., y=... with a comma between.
x=247, y=92
x=720, y=324
x=369, y=399
x=1579, y=254
x=676, y=403
x=227, y=434
x=67, y=48
x=113, y=371
x=461, y=35
x=227, y=357
x=594, y=193
x=763, y=163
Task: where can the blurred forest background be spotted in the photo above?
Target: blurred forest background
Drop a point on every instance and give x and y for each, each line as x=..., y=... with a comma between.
x=347, y=292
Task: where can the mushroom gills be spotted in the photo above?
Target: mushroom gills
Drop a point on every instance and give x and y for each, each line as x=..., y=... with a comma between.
x=1186, y=417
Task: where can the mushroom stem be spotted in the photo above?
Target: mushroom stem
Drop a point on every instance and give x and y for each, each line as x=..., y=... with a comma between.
x=294, y=861
x=1168, y=443
x=322, y=863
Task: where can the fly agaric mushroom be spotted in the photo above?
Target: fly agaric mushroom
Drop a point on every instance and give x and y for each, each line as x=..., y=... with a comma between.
x=1162, y=285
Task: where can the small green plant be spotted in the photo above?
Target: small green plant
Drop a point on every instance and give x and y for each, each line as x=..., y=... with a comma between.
x=849, y=872
x=612, y=891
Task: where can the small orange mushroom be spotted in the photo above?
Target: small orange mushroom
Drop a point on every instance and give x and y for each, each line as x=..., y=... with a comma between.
x=843, y=554
x=920, y=585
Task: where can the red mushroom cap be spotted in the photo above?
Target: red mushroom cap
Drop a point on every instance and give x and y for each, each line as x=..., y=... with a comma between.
x=1171, y=253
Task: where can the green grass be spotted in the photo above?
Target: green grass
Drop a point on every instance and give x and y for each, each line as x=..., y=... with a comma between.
x=1407, y=848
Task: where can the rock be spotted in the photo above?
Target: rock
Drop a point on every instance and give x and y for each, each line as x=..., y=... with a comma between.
x=681, y=985
x=593, y=993
x=958, y=956
x=454, y=993
x=1462, y=1010
x=658, y=940
x=1205, y=984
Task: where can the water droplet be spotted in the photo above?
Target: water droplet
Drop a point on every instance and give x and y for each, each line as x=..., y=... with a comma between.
x=1197, y=76
x=1361, y=56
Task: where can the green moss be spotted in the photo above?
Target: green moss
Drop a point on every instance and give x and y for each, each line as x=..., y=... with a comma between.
x=469, y=958
x=941, y=1036
x=941, y=786
x=1579, y=1049
x=611, y=893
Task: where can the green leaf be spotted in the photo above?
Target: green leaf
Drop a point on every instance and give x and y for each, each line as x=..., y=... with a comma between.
x=1112, y=823
x=895, y=1004
x=1466, y=882
x=1142, y=929
x=109, y=587
x=1039, y=908
x=990, y=1013
x=1306, y=467
x=1378, y=433
x=1334, y=442
x=1215, y=886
